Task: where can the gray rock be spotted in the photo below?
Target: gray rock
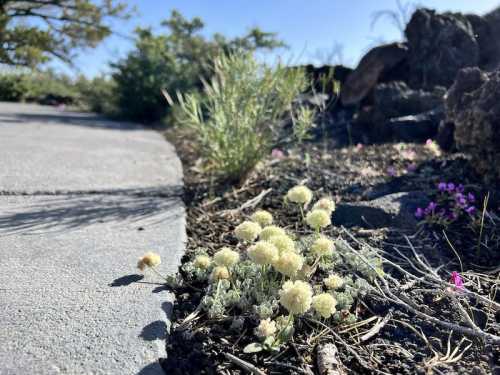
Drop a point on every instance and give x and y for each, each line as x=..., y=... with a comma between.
x=473, y=105
x=376, y=62
x=405, y=114
x=439, y=46
x=393, y=210
x=416, y=128
x=72, y=299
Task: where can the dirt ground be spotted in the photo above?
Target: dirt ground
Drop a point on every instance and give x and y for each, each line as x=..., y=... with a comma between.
x=406, y=344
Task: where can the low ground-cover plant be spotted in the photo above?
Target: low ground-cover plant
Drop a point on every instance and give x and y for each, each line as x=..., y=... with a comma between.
x=278, y=277
x=236, y=120
x=451, y=204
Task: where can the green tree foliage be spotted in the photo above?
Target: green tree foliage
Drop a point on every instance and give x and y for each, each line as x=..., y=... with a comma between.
x=32, y=31
x=174, y=61
x=41, y=87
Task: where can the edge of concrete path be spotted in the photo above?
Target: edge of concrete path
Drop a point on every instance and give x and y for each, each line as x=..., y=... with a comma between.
x=164, y=299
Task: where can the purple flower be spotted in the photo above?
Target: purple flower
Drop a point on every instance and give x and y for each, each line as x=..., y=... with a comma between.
x=442, y=186
x=432, y=206
x=450, y=187
x=457, y=280
x=460, y=188
x=419, y=213
x=452, y=216
x=411, y=167
x=471, y=210
x=471, y=198
x=461, y=201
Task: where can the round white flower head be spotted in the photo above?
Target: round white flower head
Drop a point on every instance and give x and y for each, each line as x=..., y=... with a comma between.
x=289, y=263
x=263, y=253
x=283, y=243
x=202, y=262
x=149, y=259
x=326, y=204
x=266, y=328
x=296, y=296
x=324, y=304
x=334, y=281
x=226, y=257
x=270, y=231
x=247, y=231
x=299, y=194
x=318, y=219
x=262, y=218
x=322, y=246
x=220, y=273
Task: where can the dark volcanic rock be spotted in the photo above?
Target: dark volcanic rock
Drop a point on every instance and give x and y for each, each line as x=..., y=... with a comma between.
x=393, y=210
x=376, y=62
x=489, y=40
x=439, y=46
x=401, y=113
x=396, y=99
x=416, y=128
x=473, y=105
x=445, y=134
x=323, y=78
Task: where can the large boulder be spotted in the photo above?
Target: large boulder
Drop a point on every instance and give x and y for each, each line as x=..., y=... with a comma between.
x=404, y=114
x=489, y=40
x=392, y=210
x=377, y=62
x=439, y=46
x=473, y=105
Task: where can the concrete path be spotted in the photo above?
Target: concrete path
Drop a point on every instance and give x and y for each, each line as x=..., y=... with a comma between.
x=80, y=200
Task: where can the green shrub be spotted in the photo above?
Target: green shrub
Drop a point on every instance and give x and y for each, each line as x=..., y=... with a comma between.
x=98, y=95
x=12, y=87
x=173, y=61
x=236, y=119
x=33, y=86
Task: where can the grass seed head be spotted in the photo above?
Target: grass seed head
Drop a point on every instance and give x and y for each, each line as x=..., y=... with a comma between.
x=263, y=253
x=247, y=231
x=262, y=218
x=299, y=194
x=318, y=219
x=324, y=304
x=296, y=296
x=149, y=259
x=226, y=257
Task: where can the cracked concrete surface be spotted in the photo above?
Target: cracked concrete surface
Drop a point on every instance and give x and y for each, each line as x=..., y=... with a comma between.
x=80, y=200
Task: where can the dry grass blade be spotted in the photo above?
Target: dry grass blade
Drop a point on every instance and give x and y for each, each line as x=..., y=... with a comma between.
x=244, y=364
x=376, y=328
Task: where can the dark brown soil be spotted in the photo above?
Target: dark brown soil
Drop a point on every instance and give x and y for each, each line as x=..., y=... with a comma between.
x=349, y=175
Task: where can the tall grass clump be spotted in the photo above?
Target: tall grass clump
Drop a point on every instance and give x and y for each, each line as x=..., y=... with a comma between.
x=236, y=119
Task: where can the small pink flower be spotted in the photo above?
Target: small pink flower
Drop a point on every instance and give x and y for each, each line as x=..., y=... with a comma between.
x=359, y=147
x=457, y=280
x=277, y=153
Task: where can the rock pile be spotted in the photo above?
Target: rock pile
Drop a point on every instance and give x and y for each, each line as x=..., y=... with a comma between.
x=399, y=91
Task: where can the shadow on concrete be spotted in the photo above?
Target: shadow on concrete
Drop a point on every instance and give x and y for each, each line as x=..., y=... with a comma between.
x=73, y=118
x=156, y=330
x=66, y=212
x=152, y=369
x=126, y=280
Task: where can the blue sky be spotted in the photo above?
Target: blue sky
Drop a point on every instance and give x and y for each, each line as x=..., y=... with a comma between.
x=311, y=28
